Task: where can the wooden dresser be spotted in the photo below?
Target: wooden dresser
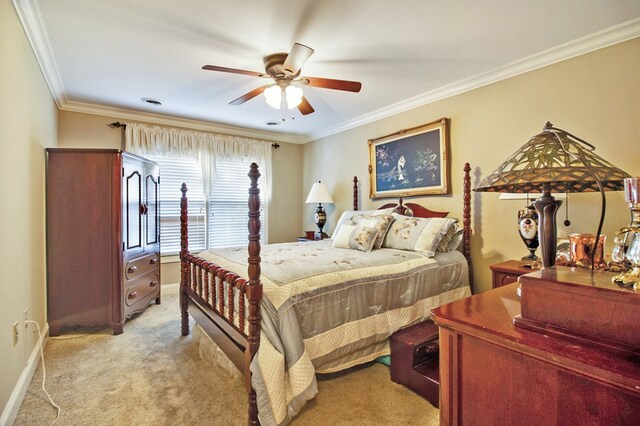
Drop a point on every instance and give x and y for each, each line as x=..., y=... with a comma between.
x=494, y=372
x=103, y=238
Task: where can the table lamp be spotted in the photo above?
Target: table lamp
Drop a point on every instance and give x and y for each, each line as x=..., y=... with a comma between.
x=319, y=194
x=554, y=160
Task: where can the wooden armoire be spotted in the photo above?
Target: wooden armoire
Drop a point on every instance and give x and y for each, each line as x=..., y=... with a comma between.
x=103, y=238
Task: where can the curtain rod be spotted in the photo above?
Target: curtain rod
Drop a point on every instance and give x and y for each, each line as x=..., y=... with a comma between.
x=117, y=125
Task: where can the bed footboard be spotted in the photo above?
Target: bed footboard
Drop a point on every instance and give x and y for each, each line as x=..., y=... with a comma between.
x=222, y=299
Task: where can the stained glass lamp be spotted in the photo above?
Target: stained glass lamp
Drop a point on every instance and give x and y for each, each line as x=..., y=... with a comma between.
x=554, y=160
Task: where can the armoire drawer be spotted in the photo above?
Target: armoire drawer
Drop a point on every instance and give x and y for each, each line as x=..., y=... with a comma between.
x=135, y=268
x=139, y=289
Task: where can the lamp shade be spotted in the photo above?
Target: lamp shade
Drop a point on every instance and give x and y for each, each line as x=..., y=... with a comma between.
x=293, y=95
x=319, y=194
x=558, y=159
x=273, y=96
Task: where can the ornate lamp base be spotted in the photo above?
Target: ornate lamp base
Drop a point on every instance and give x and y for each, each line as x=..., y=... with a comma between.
x=320, y=218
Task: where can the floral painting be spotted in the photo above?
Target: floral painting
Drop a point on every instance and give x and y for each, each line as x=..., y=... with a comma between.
x=410, y=162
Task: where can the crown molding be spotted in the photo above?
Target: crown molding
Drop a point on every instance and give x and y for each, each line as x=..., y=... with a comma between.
x=166, y=120
x=601, y=39
x=29, y=15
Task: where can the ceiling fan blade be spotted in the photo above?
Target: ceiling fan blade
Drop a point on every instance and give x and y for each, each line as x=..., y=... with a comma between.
x=296, y=58
x=329, y=83
x=232, y=70
x=305, y=107
x=248, y=96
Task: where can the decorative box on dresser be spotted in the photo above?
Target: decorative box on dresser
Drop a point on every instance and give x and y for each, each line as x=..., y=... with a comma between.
x=103, y=237
x=493, y=371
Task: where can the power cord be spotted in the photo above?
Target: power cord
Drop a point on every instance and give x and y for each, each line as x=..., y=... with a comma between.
x=44, y=372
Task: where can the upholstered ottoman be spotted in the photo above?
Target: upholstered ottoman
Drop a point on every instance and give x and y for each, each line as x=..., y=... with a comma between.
x=414, y=359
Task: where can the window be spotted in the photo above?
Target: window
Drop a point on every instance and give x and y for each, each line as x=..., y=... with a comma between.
x=221, y=223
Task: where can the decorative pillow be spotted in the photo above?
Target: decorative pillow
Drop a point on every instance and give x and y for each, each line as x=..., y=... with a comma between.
x=381, y=222
x=363, y=238
x=356, y=237
x=417, y=234
x=451, y=240
x=350, y=213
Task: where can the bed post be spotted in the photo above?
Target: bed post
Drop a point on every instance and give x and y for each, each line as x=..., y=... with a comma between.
x=253, y=289
x=355, y=193
x=466, y=219
x=184, y=265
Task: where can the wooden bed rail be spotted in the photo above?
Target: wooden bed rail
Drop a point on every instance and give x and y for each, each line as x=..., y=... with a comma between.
x=221, y=292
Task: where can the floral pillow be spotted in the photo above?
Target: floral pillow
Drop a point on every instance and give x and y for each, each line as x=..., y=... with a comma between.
x=452, y=239
x=356, y=237
x=380, y=222
x=347, y=215
x=418, y=234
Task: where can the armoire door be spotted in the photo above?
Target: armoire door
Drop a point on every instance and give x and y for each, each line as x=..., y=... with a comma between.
x=151, y=217
x=132, y=208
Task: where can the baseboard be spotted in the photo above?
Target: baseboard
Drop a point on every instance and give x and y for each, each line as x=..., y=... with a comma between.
x=19, y=391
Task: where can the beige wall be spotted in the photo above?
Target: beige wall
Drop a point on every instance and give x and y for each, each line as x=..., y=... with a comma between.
x=27, y=126
x=595, y=96
x=78, y=130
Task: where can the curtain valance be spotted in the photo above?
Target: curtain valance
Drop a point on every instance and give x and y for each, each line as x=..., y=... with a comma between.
x=207, y=148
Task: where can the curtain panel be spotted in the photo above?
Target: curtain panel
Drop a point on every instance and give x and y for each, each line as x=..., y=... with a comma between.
x=207, y=148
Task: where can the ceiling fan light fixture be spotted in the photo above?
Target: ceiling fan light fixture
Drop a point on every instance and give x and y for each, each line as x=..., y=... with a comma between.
x=273, y=96
x=293, y=95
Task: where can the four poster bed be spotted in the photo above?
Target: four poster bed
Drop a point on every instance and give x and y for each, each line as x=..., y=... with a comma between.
x=328, y=305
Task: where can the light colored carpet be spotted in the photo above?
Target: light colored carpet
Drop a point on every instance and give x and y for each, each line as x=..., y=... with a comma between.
x=151, y=375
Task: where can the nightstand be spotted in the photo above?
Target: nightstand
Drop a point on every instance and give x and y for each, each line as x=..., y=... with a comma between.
x=508, y=272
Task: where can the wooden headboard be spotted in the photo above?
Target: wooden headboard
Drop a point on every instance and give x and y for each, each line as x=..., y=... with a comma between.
x=408, y=209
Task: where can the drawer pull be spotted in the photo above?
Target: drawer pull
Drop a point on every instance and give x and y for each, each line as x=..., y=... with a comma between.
x=133, y=295
x=153, y=283
x=153, y=261
x=132, y=269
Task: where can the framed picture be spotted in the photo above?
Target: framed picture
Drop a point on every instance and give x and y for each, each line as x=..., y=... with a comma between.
x=410, y=162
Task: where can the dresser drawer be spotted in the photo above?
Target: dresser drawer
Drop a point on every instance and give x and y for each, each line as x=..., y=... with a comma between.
x=138, y=290
x=508, y=272
x=135, y=268
x=501, y=278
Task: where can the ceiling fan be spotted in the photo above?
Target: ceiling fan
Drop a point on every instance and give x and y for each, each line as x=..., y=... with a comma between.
x=284, y=69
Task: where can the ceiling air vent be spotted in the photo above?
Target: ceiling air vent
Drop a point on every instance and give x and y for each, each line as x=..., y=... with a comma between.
x=151, y=101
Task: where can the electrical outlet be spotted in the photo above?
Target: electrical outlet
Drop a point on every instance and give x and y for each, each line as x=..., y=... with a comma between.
x=14, y=333
x=25, y=317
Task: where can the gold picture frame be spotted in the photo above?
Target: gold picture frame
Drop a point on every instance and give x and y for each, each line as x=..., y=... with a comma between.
x=410, y=162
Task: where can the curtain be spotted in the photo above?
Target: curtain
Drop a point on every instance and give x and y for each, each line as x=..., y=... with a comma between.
x=207, y=148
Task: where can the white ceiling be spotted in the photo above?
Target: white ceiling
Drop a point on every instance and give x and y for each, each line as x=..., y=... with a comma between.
x=104, y=56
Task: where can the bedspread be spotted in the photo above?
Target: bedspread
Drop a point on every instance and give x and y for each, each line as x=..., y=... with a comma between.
x=325, y=309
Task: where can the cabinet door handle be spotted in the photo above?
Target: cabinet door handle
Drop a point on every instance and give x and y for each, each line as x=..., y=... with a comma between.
x=133, y=295
x=153, y=261
x=153, y=283
x=132, y=269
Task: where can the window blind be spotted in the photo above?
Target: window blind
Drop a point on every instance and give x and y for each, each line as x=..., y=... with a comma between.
x=221, y=223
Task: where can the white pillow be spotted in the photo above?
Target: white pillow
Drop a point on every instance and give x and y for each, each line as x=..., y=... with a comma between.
x=341, y=238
